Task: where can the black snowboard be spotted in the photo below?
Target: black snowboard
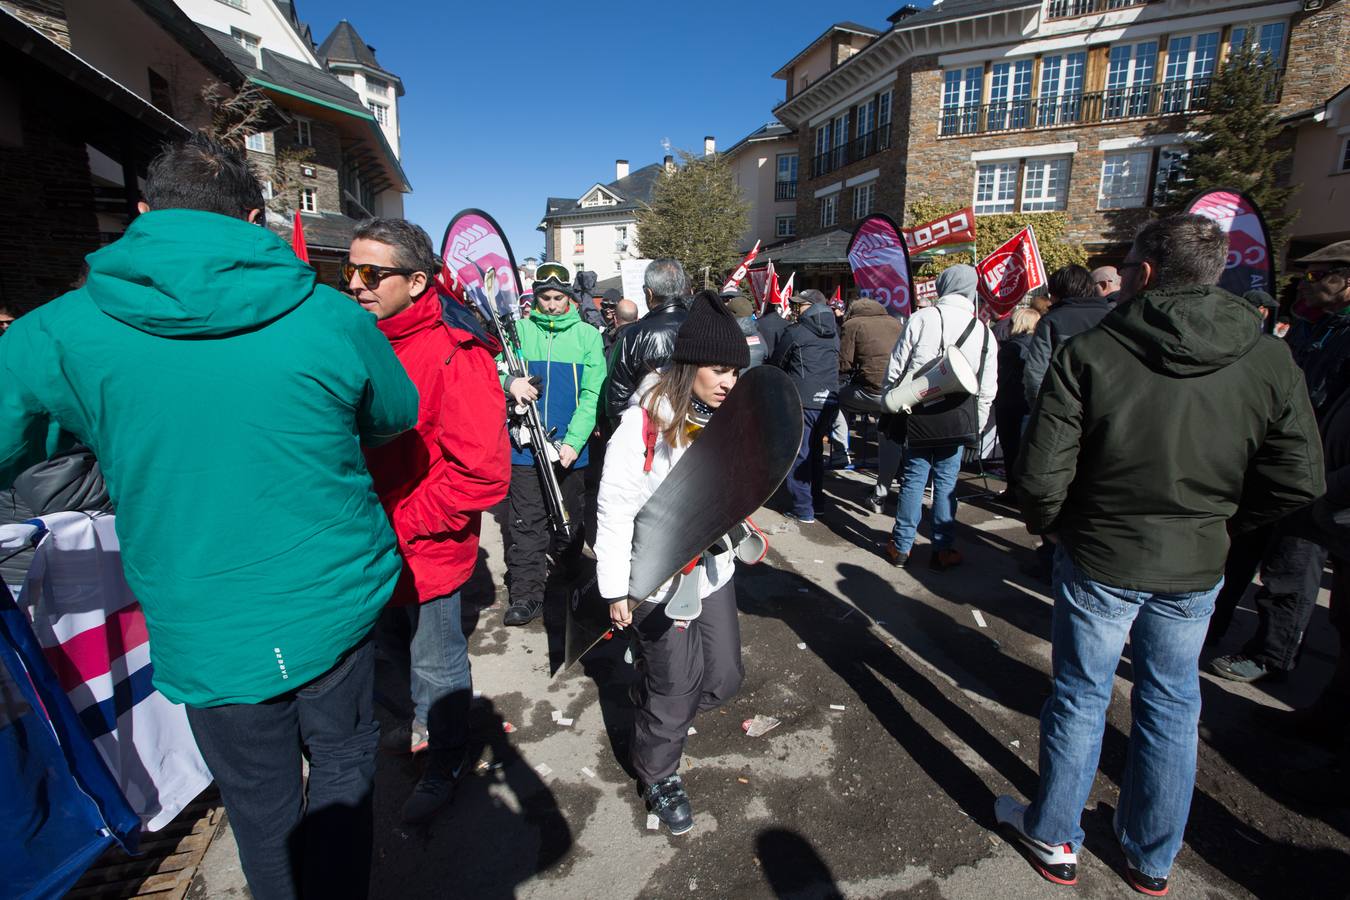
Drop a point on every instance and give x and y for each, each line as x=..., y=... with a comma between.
x=731, y=470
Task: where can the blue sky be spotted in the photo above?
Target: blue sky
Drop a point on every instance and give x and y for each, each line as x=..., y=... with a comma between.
x=511, y=102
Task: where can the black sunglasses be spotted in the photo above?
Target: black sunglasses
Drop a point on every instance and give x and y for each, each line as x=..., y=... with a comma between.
x=371, y=274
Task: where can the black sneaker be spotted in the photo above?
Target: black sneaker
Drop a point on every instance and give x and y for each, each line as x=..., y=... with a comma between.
x=1146, y=884
x=523, y=613
x=668, y=800
x=1244, y=669
x=436, y=786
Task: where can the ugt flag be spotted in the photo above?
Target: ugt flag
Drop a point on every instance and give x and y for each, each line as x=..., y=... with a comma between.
x=880, y=263
x=1250, y=267
x=1010, y=273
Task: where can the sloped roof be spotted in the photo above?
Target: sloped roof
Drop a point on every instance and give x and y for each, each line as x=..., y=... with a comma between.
x=827, y=247
x=960, y=9
x=633, y=190
x=763, y=133
x=325, y=231
x=289, y=73
x=853, y=27
x=345, y=45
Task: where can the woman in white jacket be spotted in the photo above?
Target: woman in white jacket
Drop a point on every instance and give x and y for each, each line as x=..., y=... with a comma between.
x=686, y=667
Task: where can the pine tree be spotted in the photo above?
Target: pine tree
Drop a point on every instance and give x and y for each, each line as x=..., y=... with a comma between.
x=697, y=215
x=1239, y=145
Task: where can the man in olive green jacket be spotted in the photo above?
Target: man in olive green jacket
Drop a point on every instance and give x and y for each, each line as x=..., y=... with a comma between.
x=226, y=396
x=1153, y=430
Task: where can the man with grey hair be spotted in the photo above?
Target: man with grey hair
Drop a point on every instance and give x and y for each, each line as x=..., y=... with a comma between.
x=1106, y=279
x=646, y=345
x=1171, y=423
x=434, y=483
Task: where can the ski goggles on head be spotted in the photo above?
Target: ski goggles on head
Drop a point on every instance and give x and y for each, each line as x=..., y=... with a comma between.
x=553, y=271
x=371, y=274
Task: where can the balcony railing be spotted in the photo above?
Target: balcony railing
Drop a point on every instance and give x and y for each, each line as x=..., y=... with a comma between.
x=859, y=148
x=1068, y=9
x=785, y=190
x=1167, y=98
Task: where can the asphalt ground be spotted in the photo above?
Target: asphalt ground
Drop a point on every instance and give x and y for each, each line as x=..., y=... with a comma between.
x=941, y=677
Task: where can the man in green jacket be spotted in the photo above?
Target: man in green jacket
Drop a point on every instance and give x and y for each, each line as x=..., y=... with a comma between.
x=226, y=396
x=1172, y=417
x=567, y=358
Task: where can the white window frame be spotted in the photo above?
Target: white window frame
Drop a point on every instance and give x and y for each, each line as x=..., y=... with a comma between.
x=1042, y=173
x=621, y=233
x=864, y=200
x=1002, y=184
x=829, y=211
x=1128, y=85
x=379, y=110
x=236, y=4
x=250, y=42
x=257, y=142
x=1239, y=34
x=578, y=239
x=377, y=86
x=791, y=161
x=969, y=90
x=1060, y=101
x=785, y=226
x=309, y=200
x=304, y=134
x=1127, y=189
x=884, y=110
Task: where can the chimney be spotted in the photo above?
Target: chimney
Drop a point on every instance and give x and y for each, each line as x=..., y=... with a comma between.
x=669, y=163
x=709, y=145
x=620, y=169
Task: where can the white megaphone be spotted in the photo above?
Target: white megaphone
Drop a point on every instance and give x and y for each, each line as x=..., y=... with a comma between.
x=947, y=374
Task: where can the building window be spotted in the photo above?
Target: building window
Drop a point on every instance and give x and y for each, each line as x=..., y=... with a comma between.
x=1129, y=78
x=785, y=226
x=1124, y=180
x=785, y=180
x=1170, y=161
x=1191, y=59
x=1061, y=98
x=1045, y=185
x=303, y=135
x=621, y=237
x=257, y=141
x=829, y=211
x=380, y=111
x=248, y=41
x=961, y=92
x=864, y=199
x=996, y=187
x=1269, y=40
x=578, y=240
x=1009, y=95
x=884, y=112
x=237, y=4
x=347, y=78
x=309, y=200
x=377, y=86
x=160, y=96
x=1345, y=156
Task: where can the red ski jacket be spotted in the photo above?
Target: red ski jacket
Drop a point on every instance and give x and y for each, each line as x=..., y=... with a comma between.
x=436, y=480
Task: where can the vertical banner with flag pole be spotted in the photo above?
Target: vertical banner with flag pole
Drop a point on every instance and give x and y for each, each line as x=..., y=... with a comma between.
x=880, y=262
x=1010, y=273
x=771, y=295
x=1251, y=265
x=786, y=294
x=298, y=239
x=474, y=246
x=734, y=281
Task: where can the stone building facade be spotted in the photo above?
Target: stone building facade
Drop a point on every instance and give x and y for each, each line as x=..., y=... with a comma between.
x=1079, y=106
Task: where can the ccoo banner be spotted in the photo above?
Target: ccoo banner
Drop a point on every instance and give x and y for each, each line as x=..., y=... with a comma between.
x=476, y=255
x=1010, y=273
x=880, y=263
x=1250, y=266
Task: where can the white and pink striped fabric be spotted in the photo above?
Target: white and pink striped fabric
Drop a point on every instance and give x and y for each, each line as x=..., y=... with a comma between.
x=93, y=633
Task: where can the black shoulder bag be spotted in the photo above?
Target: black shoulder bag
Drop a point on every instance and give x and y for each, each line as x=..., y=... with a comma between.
x=952, y=420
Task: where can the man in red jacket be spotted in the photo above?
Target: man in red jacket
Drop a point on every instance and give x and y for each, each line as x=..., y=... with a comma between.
x=434, y=483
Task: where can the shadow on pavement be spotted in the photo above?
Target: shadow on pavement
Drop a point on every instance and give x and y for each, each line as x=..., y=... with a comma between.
x=792, y=867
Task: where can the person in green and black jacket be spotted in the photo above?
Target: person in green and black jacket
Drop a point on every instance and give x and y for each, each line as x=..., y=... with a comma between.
x=568, y=358
x=1152, y=431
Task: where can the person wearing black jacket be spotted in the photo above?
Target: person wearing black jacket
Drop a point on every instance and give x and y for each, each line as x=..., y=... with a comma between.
x=1010, y=404
x=771, y=327
x=809, y=354
x=646, y=345
x=69, y=481
x=1172, y=419
x=1075, y=307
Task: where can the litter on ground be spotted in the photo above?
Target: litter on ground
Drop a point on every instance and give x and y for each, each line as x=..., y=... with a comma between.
x=759, y=725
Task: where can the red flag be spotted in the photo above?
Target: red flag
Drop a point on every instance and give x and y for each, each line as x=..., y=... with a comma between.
x=1010, y=273
x=787, y=292
x=744, y=267
x=838, y=297
x=771, y=296
x=298, y=239
x=958, y=228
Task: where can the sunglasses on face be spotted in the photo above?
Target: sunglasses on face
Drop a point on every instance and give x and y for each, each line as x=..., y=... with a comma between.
x=553, y=270
x=371, y=274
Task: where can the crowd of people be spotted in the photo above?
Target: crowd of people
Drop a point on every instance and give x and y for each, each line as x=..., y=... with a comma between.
x=300, y=475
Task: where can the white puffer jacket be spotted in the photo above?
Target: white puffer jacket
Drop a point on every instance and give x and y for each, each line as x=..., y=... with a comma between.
x=624, y=488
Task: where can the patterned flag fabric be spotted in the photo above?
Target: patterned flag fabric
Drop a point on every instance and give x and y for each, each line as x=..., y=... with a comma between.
x=734, y=281
x=957, y=228
x=1250, y=266
x=1010, y=273
x=479, y=259
x=93, y=634
x=880, y=262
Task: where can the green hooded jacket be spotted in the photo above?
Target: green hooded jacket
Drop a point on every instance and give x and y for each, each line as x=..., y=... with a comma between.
x=569, y=356
x=226, y=397
x=1154, y=429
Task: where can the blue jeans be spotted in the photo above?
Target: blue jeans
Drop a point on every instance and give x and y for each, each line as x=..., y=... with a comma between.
x=296, y=841
x=808, y=472
x=428, y=641
x=1091, y=623
x=945, y=464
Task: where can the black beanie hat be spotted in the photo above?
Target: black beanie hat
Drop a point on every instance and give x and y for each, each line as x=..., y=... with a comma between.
x=710, y=336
